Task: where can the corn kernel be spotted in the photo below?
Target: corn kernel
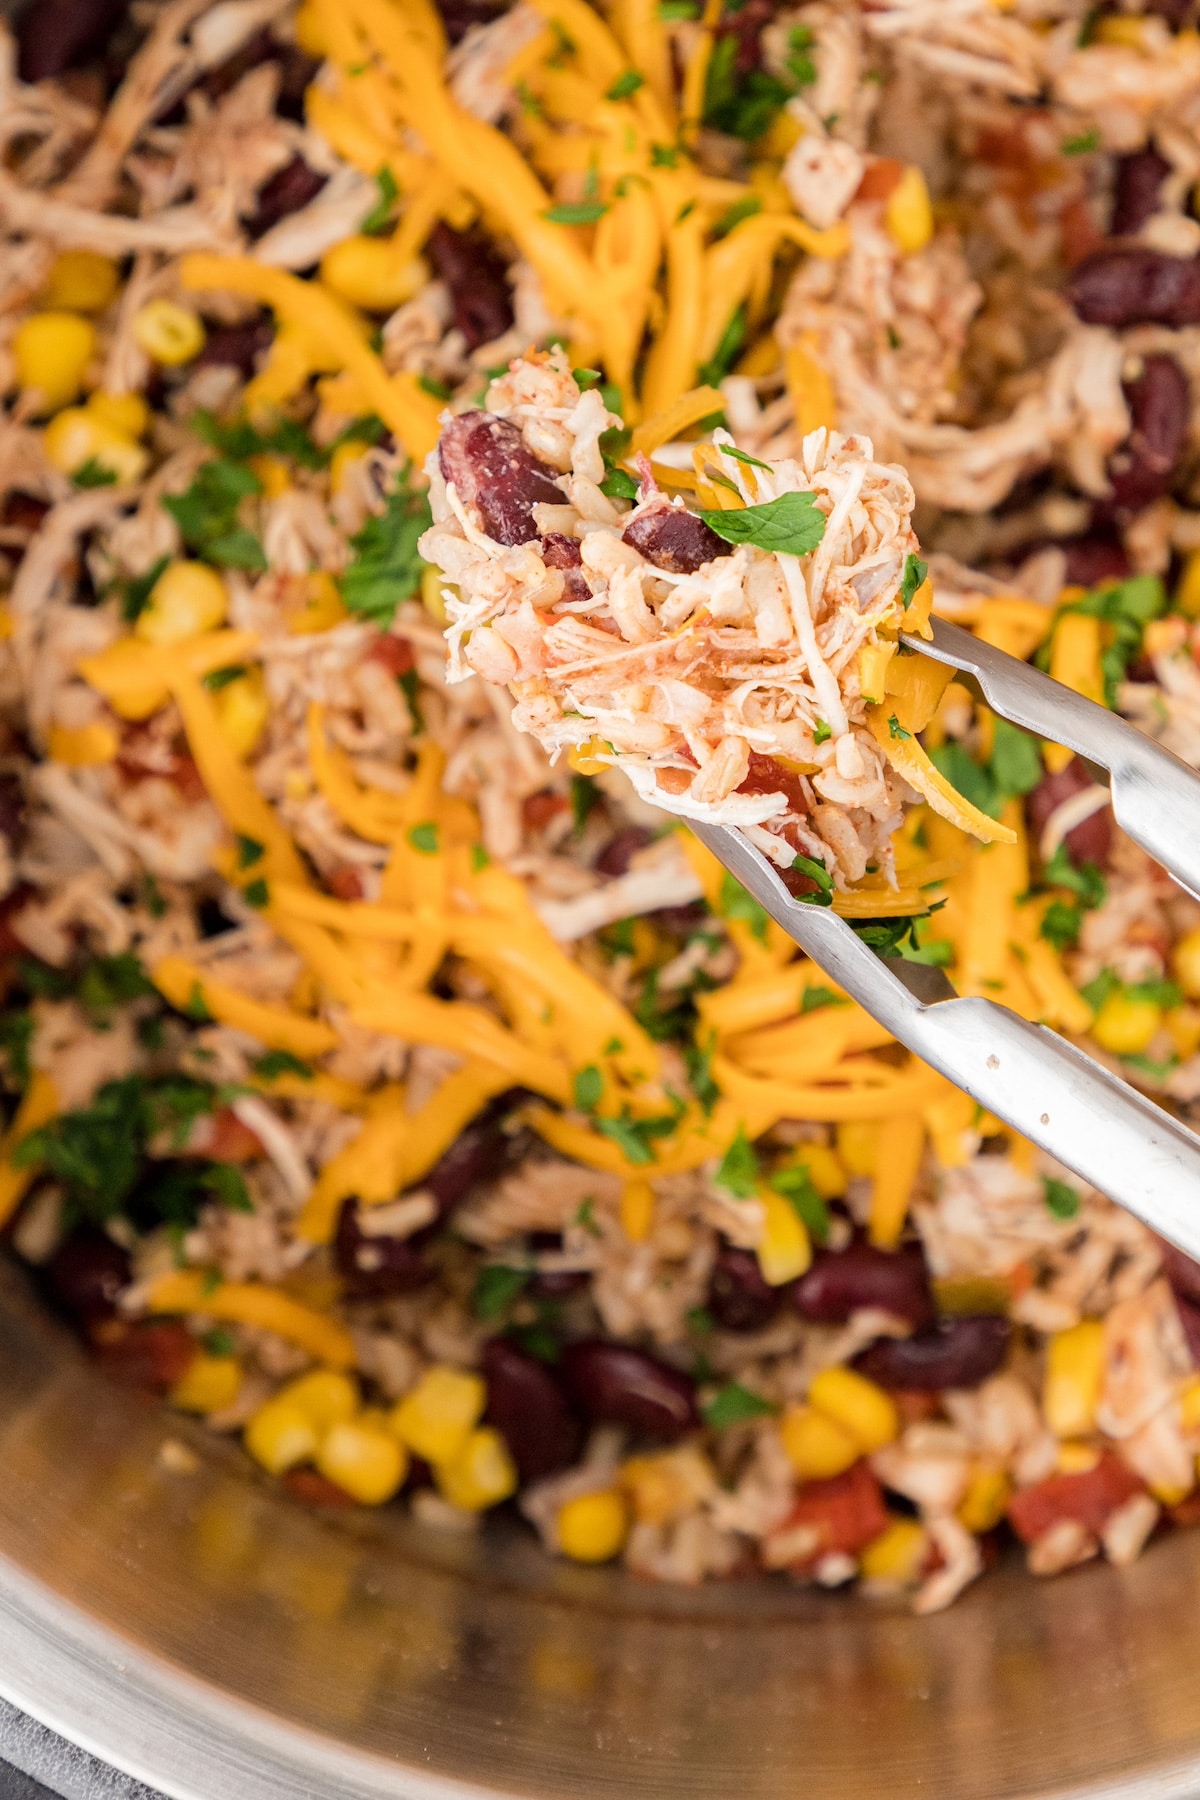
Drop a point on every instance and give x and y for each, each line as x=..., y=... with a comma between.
x=325, y=1397
x=169, y=333
x=584, y=758
x=51, y=351
x=127, y=414
x=857, y=1405
x=81, y=281
x=242, y=708
x=310, y=32
x=280, y=1435
x=77, y=436
x=367, y=272
x=784, y=1250
x=1074, y=1373
x=365, y=1463
x=437, y=1416
x=208, y=1384
x=83, y=747
x=816, y=1445
x=1187, y=594
x=592, y=1528
x=1129, y=33
x=897, y=1555
x=873, y=660
x=1185, y=962
x=983, y=1504
x=637, y=1210
x=1077, y=1459
x=188, y=598
x=909, y=212
x=1126, y=1023
x=323, y=607
x=1189, y=1405
x=667, y=1483
x=857, y=1142
x=480, y=1474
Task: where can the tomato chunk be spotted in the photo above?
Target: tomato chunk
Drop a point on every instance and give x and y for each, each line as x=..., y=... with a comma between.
x=847, y=1510
x=1089, y=1499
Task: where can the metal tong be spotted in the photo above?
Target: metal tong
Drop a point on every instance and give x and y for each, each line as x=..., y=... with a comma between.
x=1092, y=1122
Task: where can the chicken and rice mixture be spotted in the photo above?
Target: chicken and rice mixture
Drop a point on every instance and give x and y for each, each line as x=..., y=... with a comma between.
x=439, y=444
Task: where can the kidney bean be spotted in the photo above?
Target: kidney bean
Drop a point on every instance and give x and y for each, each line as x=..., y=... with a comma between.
x=1175, y=12
x=1160, y=405
x=674, y=539
x=497, y=475
x=484, y=1149
x=566, y=554
x=152, y=1354
x=236, y=346
x=395, y=654
x=1130, y=285
x=840, y=1282
x=528, y=1406
x=458, y=16
x=1089, y=842
x=846, y=1510
x=22, y=512
x=1092, y=559
x=56, y=35
x=288, y=191
x=468, y=263
x=537, y=810
x=617, y=1385
x=621, y=849
x=738, y=1297
x=1181, y=1270
x=372, y=1267
x=954, y=1353
x=553, y=1284
x=1089, y=1498
x=86, y=1275
x=1136, y=189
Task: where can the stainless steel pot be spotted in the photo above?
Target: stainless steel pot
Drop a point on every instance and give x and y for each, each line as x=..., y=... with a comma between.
x=196, y=1629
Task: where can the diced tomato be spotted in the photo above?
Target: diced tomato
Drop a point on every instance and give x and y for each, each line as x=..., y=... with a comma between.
x=880, y=178
x=345, y=882
x=1089, y=1499
x=316, y=1489
x=537, y=810
x=223, y=1138
x=395, y=654
x=1079, y=230
x=847, y=1510
x=151, y=1354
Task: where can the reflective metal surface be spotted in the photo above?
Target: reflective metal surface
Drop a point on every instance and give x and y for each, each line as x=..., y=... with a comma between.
x=210, y=1637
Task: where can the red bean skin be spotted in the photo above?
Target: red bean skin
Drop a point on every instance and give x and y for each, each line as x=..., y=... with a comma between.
x=841, y=1282
x=617, y=1385
x=56, y=35
x=152, y=1354
x=288, y=191
x=954, y=1353
x=478, y=281
x=1160, y=406
x=1132, y=285
x=1136, y=189
x=528, y=1406
x=675, y=540
x=1181, y=1271
x=236, y=346
x=847, y=1510
x=1093, y=559
x=373, y=1267
x=738, y=1297
x=496, y=475
x=1090, y=1499
x=621, y=848
x=86, y=1275
x=481, y=1152
x=1089, y=842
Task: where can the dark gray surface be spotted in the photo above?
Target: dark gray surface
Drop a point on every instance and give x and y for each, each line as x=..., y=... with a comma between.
x=35, y=1764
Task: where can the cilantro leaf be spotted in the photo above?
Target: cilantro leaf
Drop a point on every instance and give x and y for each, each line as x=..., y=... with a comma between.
x=206, y=514
x=813, y=999
x=386, y=567
x=738, y=1171
x=915, y=572
x=1062, y=1200
x=713, y=372
x=734, y=902
x=496, y=1287
x=281, y=1062
x=240, y=439
x=93, y=474
x=796, y=1186
x=588, y=1085
x=1015, y=764
x=576, y=212
x=424, y=838
x=790, y=526
x=379, y=217
x=808, y=865
x=733, y=1405
x=627, y=82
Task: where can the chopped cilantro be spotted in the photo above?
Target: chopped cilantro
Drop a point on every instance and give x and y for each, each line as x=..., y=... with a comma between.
x=698, y=1059
x=733, y=1405
x=735, y=903
x=1013, y=769
x=424, y=838
x=698, y=1320
x=915, y=572
x=740, y=105
x=665, y=156
x=585, y=1216
x=738, y=1171
x=576, y=212
x=16, y=1037
x=93, y=474
x=379, y=217
x=479, y=858
x=220, y=1341
x=410, y=686
x=111, y=981
x=1080, y=145
x=896, y=729
x=216, y=679
x=386, y=567
x=152, y=898
x=808, y=865
x=256, y=894
x=619, y=484
x=437, y=390
x=249, y=851
x=821, y=732
x=584, y=796
x=813, y=999
x=745, y=208
x=206, y=514
x=1062, y=1200
x=588, y=1086
x=240, y=439
x=713, y=372
x=796, y=1186
x=496, y=1287
x=627, y=82
x=281, y=1062
x=135, y=590
x=790, y=526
